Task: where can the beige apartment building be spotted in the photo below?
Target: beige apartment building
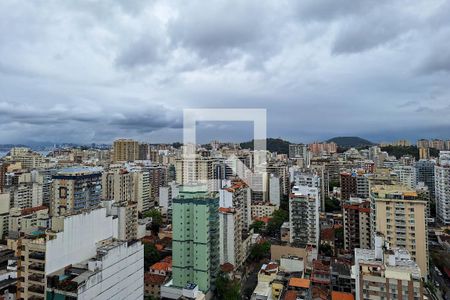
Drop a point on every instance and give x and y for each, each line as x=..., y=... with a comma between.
x=31, y=268
x=117, y=185
x=193, y=170
x=356, y=218
x=399, y=215
x=262, y=210
x=386, y=273
x=125, y=150
x=123, y=186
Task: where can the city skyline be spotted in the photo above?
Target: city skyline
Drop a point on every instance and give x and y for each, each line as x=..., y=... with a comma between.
x=89, y=72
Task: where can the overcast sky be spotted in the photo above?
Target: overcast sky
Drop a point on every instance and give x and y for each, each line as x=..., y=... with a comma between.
x=93, y=71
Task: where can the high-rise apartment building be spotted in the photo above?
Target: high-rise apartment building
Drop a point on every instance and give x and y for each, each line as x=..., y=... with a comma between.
x=437, y=144
x=354, y=184
x=423, y=143
x=142, y=192
x=144, y=151
x=399, y=215
x=4, y=214
x=425, y=174
x=30, y=160
x=125, y=186
x=127, y=217
x=424, y=153
x=117, y=185
x=300, y=153
x=386, y=272
x=274, y=190
x=195, y=245
x=406, y=175
x=442, y=187
x=323, y=148
x=74, y=189
x=348, y=185
x=423, y=193
x=158, y=177
x=194, y=171
x=304, y=206
x=25, y=220
x=282, y=172
x=311, y=179
x=75, y=258
x=232, y=249
x=237, y=194
x=125, y=150
x=356, y=218
x=26, y=194
x=402, y=143
x=166, y=195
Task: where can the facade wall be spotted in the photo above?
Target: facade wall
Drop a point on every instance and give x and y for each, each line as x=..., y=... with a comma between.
x=77, y=242
x=121, y=275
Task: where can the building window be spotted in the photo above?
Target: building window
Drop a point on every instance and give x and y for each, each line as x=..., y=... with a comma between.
x=63, y=192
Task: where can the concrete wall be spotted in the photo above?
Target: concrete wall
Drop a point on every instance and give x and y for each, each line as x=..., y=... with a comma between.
x=121, y=277
x=77, y=242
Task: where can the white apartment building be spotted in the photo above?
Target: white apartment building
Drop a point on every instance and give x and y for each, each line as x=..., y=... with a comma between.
x=274, y=190
x=304, y=206
x=115, y=272
x=442, y=187
x=406, y=175
x=80, y=257
x=230, y=231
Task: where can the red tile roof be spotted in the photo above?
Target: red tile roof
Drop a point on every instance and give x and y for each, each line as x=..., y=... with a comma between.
x=227, y=267
x=300, y=282
x=341, y=296
x=161, y=266
x=154, y=279
x=290, y=295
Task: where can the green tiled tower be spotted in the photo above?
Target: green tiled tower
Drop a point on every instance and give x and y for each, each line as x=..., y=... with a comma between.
x=195, y=242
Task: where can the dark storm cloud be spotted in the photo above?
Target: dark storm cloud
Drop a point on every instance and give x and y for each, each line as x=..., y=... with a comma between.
x=325, y=10
x=86, y=71
x=218, y=30
x=370, y=31
x=157, y=118
x=144, y=51
x=437, y=56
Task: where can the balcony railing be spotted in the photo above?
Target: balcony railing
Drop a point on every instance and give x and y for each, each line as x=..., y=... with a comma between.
x=37, y=267
x=36, y=289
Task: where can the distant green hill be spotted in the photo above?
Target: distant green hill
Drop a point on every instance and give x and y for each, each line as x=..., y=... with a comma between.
x=350, y=142
x=399, y=151
x=273, y=145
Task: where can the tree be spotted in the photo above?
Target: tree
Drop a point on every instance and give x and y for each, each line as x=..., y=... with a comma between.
x=156, y=217
x=332, y=205
x=278, y=218
x=284, y=203
x=260, y=251
x=227, y=289
x=339, y=237
x=257, y=226
x=151, y=255
x=326, y=250
x=333, y=184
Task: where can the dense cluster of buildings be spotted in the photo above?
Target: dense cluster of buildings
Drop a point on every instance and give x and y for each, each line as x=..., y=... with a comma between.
x=146, y=221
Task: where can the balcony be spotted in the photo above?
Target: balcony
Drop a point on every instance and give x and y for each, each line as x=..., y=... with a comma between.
x=36, y=279
x=36, y=289
x=37, y=267
x=40, y=256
